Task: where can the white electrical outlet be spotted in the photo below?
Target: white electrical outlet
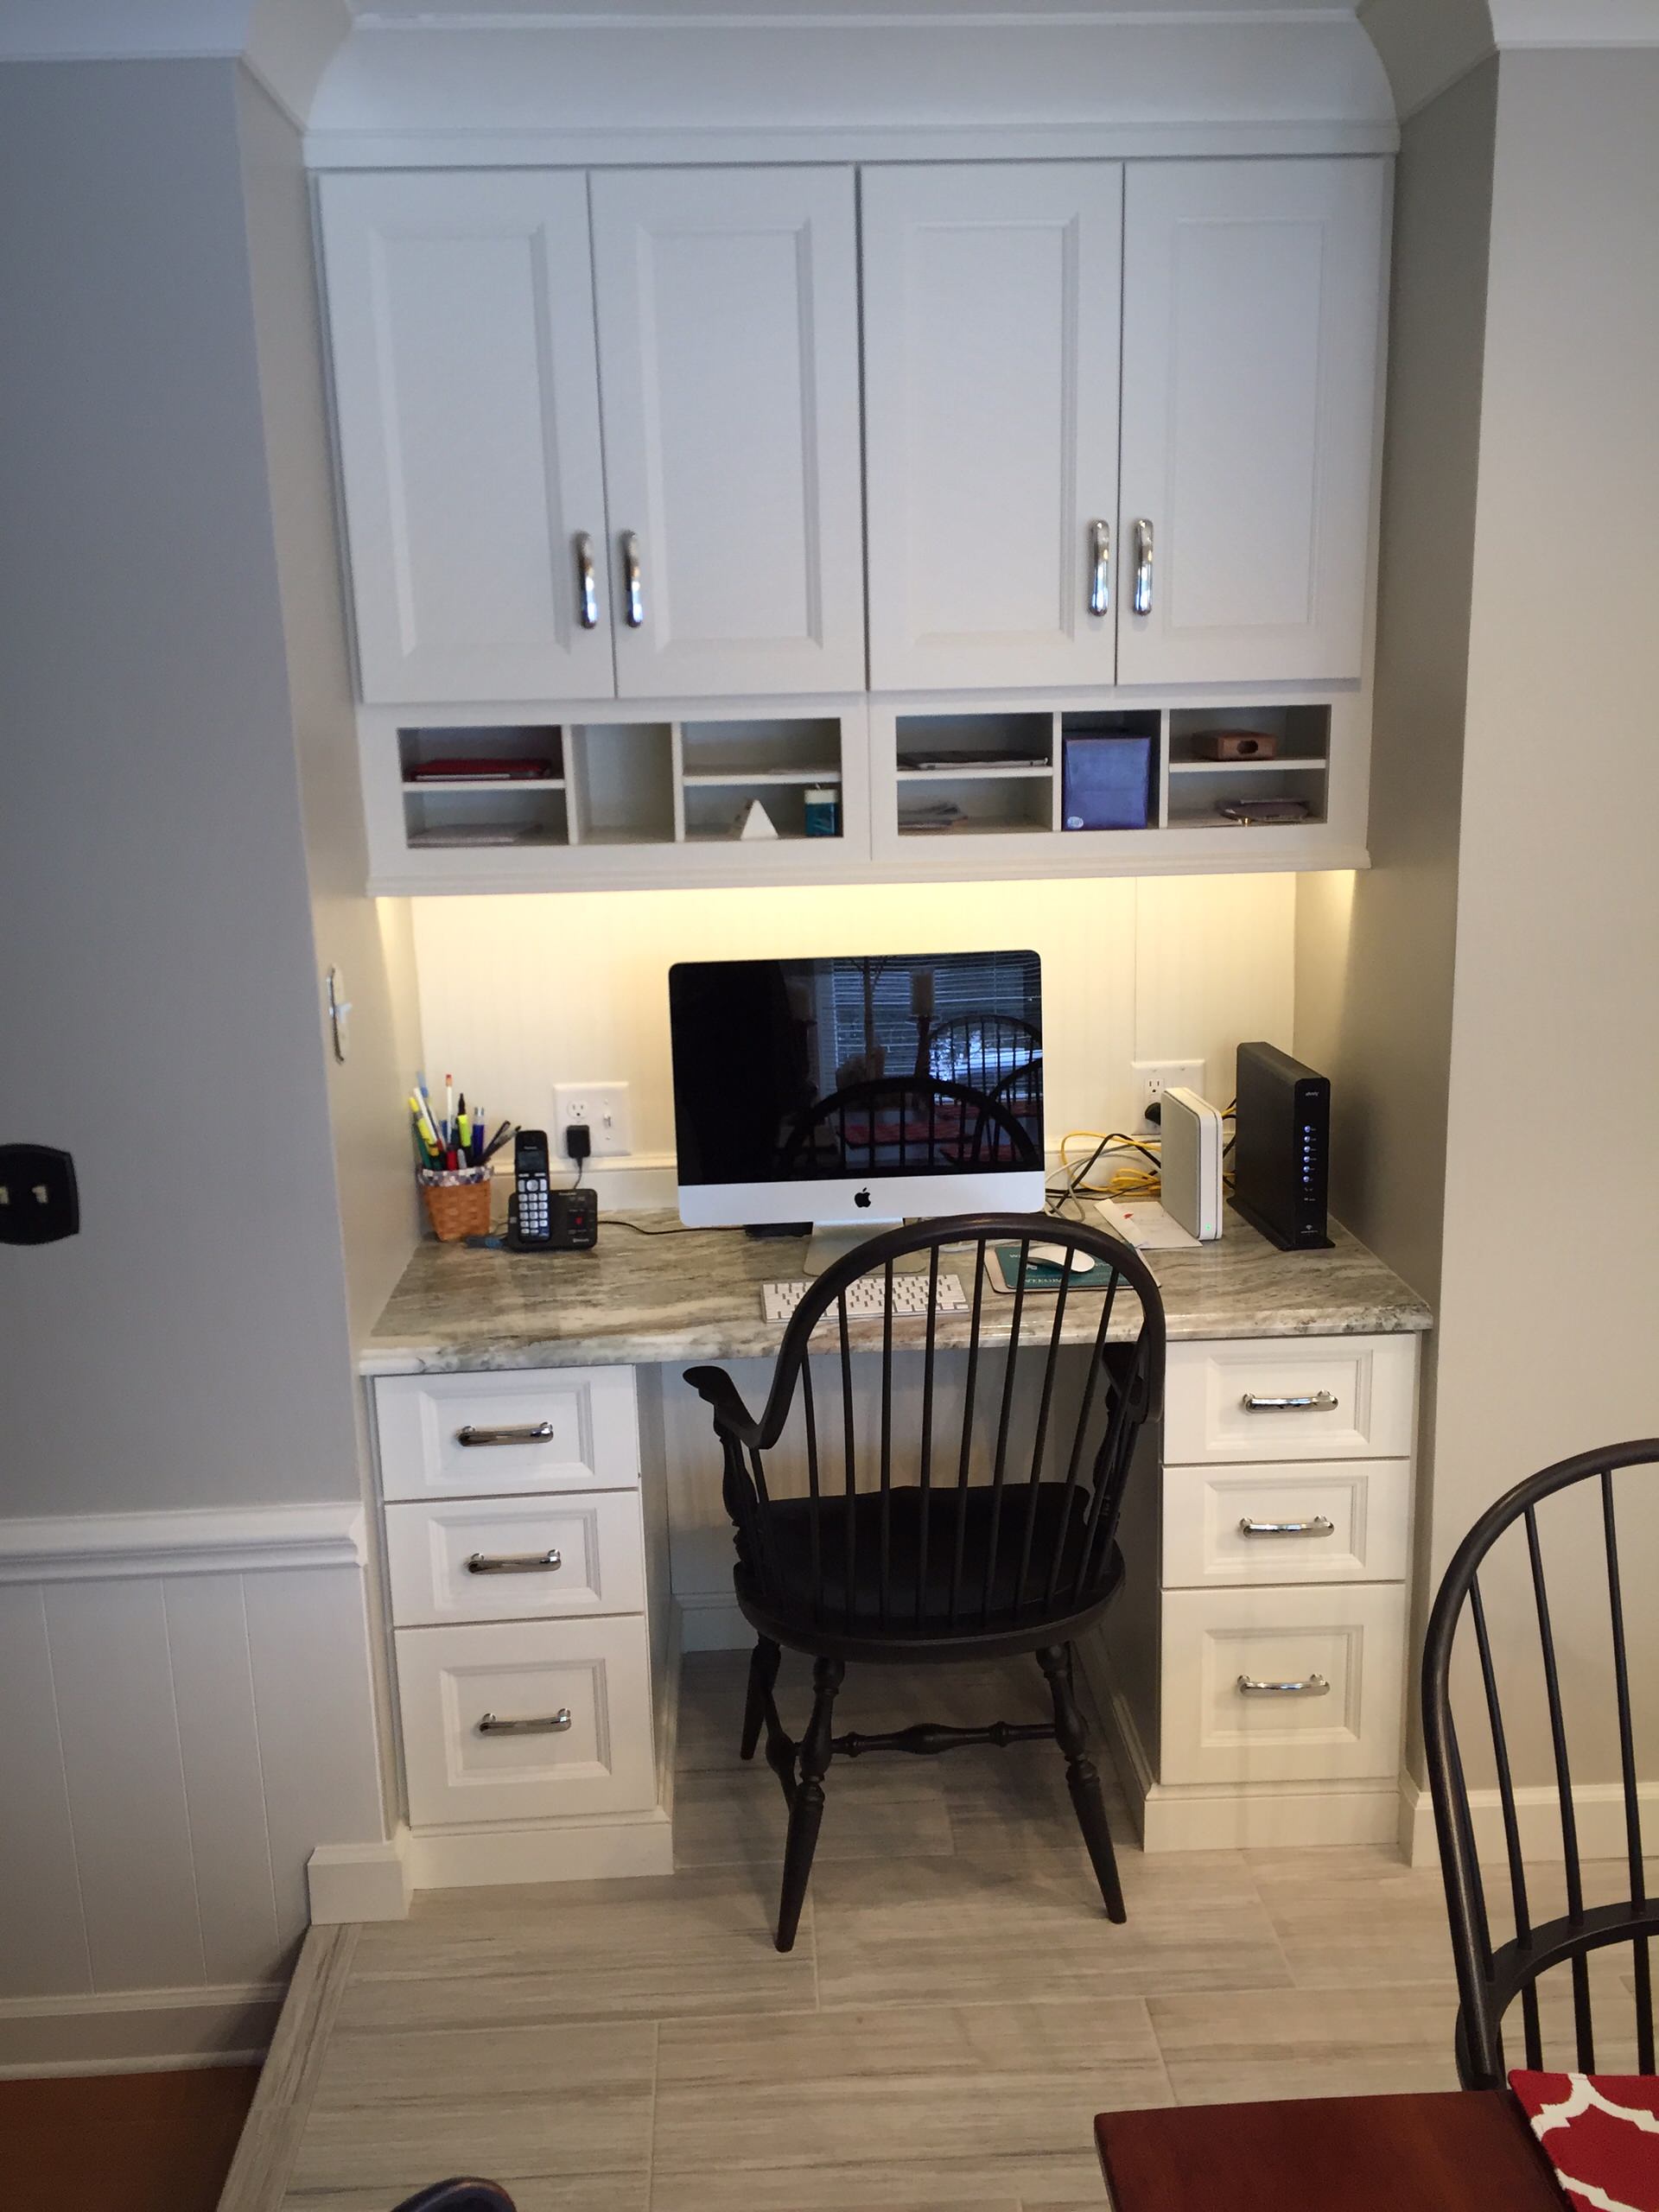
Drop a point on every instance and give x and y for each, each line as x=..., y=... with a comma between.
x=1154, y=1078
x=601, y=1108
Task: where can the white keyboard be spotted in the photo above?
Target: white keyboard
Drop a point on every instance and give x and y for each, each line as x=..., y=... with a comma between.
x=866, y=1299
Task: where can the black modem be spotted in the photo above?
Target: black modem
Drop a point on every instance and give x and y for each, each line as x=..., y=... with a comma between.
x=1283, y=1147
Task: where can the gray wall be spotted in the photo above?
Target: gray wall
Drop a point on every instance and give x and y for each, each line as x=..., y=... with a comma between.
x=161, y=1016
x=1550, y=1278
x=1485, y=998
x=369, y=941
x=1376, y=950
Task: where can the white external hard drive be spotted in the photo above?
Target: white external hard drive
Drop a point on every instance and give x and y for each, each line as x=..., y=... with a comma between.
x=1190, y=1163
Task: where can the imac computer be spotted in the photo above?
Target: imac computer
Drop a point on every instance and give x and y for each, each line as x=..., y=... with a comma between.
x=850, y=1094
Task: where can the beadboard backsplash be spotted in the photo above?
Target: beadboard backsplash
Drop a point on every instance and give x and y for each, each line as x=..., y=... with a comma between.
x=517, y=995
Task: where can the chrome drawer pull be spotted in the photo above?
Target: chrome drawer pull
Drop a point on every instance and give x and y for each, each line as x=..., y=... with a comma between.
x=547, y=1724
x=1318, y=1526
x=538, y=1431
x=1100, y=567
x=1315, y=1686
x=1315, y=1402
x=587, y=584
x=635, y=607
x=516, y=1563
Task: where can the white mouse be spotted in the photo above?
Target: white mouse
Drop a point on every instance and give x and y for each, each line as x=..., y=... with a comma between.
x=1054, y=1256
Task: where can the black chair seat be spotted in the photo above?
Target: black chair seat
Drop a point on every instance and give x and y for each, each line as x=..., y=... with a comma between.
x=927, y=1592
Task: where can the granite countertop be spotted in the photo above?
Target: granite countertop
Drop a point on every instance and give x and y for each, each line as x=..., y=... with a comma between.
x=638, y=1300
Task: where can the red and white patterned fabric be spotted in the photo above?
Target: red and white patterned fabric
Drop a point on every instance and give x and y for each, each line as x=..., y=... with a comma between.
x=1600, y=2131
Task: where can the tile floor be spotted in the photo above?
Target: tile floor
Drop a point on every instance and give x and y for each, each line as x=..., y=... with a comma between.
x=956, y=2011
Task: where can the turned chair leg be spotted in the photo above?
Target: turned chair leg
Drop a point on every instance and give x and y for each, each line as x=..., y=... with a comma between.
x=806, y=1807
x=1081, y=1777
x=763, y=1672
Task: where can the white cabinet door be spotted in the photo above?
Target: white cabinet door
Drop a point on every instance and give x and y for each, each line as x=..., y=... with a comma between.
x=991, y=372
x=728, y=354
x=460, y=308
x=1252, y=307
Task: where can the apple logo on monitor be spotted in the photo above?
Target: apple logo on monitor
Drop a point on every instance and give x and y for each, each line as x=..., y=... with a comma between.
x=860, y=1198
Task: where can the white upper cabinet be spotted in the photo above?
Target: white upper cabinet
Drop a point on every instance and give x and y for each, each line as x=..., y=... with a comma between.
x=991, y=412
x=461, y=312
x=727, y=306
x=1252, y=302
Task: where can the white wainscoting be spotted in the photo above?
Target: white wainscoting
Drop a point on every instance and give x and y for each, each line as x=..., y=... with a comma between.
x=185, y=1714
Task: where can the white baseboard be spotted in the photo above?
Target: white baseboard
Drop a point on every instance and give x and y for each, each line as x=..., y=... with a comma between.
x=360, y=1881
x=588, y=1850
x=1597, y=1807
x=137, y=2030
x=711, y=1621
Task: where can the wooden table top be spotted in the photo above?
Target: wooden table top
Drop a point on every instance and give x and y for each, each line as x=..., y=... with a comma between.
x=1457, y=2150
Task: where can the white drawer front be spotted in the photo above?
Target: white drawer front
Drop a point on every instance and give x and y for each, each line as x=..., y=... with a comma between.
x=1291, y=1398
x=1315, y=1522
x=1349, y=1637
x=502, y=1559
x=584, y=1687
x=487, y=1435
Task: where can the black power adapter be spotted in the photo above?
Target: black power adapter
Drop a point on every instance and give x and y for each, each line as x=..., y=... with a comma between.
x=578, y=1141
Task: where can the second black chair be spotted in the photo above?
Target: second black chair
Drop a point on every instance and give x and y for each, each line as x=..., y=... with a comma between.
x=939, y=1489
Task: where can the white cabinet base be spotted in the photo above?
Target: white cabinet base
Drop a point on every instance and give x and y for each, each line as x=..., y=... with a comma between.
x=590, y=1849
x=1234, y=1815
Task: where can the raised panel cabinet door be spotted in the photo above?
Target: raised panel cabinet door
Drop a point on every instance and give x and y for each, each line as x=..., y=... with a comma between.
x=1252, y=316
x=729, y=359
x=467, y=390
x=991, y=297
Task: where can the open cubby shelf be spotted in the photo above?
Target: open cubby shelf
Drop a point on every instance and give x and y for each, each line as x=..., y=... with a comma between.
x=1022, y=771
x=859, y=789
x=620, y=784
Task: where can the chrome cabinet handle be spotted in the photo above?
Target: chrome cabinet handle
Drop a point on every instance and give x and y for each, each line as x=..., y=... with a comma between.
x=546, y=1724
x=547, y=1562
x=1315, y=1686
x=539, y=1431
x=1318, y=1526
x=1143, y=600
x=636, y=604
x=1100, y=578
x=587, y=583
x=1308, y=1401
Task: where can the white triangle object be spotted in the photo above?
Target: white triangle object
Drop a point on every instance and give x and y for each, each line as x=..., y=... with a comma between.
x=755, y=822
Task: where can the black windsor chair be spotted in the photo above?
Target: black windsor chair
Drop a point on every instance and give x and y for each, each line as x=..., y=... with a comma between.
x=980, y=1049
x=957, y=1509
x=1492, y=1977
x=906, y=1120
x=460, y=2195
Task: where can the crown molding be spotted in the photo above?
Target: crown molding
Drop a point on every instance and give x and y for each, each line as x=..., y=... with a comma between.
x=1427, y=46
x=813, y=84
x=1519, y=24
x=287, y=44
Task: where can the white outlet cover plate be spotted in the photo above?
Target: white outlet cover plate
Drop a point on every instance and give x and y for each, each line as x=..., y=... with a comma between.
x=603, y=1107
x=1168, y=1074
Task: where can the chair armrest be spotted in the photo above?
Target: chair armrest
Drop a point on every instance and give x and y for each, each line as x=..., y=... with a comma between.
x=716, y=1389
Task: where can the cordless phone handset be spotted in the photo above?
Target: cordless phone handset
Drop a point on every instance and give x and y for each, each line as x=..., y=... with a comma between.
x=532, y=1223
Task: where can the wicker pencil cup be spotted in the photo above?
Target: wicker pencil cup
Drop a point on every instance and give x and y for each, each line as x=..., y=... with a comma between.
x=457, y=1209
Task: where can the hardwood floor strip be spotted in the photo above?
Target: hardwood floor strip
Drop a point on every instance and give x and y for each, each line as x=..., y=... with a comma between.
x=264, y=2156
